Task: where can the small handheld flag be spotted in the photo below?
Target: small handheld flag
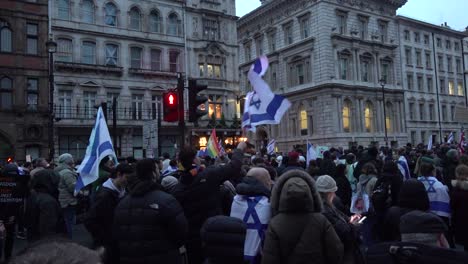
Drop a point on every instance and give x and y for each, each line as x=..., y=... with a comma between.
x=212, y=148
x=271, y=147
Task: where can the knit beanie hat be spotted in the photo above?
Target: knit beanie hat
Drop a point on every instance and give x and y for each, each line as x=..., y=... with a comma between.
x=169, y=182
x=65, y=158
x=421, y=222
x=326, y=184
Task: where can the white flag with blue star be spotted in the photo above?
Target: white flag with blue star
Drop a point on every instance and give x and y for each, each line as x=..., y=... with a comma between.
x=262, y=106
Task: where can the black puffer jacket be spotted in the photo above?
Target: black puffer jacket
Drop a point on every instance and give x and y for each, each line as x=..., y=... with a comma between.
x=149, y=225
x=223, y=240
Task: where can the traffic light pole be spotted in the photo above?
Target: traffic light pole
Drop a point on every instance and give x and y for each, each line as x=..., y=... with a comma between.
x=180, y=90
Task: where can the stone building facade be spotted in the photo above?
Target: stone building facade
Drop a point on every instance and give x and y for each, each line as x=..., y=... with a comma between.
x=327, y=58
x=433, y=79
x=23, y=79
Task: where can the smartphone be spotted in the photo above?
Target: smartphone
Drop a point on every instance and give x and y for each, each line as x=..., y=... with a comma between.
x=362, y=220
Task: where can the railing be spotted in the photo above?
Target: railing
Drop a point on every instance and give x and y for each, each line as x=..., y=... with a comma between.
x=89, y=113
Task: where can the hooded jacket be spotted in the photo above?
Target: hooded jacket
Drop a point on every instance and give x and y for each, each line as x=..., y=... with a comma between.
x=298, y=232
x=459, y=198
x=66, y=186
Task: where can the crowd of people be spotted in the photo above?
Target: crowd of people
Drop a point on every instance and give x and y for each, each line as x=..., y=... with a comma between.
x=244, y=207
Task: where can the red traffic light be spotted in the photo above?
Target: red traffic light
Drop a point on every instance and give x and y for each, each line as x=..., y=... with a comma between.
x=9, y=160
x=171, y=99
x=170, y=107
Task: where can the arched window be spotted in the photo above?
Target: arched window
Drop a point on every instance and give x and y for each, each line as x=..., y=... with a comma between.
x=63, y=9
x=303, y=121
x=366, y=67
x=344, y=60
x=389, y=117
x=87, y=9
x=111, y=15
x=369, y=117
x=155, y=22
x=135, y=19
x=173, y=25
x=6, y=88
x=346, y=115
x=5, y=37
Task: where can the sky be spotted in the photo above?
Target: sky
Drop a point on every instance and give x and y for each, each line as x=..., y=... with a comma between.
x=454, y=12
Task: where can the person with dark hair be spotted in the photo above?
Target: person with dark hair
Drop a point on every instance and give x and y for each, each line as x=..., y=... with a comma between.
x=344, y=191
x=199, y=193
x=100, y=217
x=39, y=164
x=292, y=162
x=149, y=224
x=459, y=205
x=327, y=166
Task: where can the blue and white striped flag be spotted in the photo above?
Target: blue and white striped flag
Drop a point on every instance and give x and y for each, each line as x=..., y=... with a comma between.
x=271, y=147
x=450, y=138
x=311, y=152
x=100, y=146
x=262, y=106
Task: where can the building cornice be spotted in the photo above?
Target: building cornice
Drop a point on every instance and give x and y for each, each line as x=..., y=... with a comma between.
x=441, y=29
x=205, y=11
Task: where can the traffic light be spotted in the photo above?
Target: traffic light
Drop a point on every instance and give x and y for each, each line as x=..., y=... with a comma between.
x=170, y=107
x=9, y=160
x=195, y=100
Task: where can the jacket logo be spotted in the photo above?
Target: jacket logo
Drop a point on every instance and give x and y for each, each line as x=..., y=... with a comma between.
x=202, y=180
x=154, y=206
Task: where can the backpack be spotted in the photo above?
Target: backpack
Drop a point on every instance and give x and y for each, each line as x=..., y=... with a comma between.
x=382, y=197
x=360, y=202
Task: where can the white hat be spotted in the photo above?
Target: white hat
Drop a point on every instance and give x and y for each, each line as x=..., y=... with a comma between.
x=326, y=184
x=302, y=159
x=279, y=158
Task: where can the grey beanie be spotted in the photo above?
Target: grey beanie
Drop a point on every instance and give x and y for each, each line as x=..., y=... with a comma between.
x=169, y=182
x=326, y=184
x=65, y=158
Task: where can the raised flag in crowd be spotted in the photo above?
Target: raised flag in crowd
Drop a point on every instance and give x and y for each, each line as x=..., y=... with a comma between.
x=461, y=143
x=450, y=138
x=221, y=149
x=99, y=147
x=262, y=106
x=212, y=148
x=311, y=152
x=429, y=142
x=271, y=146
x=404, y=168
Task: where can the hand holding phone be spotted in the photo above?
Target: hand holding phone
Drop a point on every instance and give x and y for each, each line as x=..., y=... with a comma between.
x=362, y=220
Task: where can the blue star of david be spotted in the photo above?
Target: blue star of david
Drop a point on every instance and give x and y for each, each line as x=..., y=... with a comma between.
x=431, y=188
x=256, y=103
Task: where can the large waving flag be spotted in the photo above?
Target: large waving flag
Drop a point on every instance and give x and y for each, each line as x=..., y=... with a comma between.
x=212, y=148
x=262, y=106
x=100, y=146
x=271, y=147
x=311, y=152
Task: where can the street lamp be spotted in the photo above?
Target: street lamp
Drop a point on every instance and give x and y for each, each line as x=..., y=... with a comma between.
x=382, y=83
x=51, y=49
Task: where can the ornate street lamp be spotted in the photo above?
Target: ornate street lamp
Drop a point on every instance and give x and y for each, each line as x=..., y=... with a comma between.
x=51, y=49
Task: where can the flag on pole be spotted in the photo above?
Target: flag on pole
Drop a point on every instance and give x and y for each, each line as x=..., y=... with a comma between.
x=222, y=151
x=461, y=144
x=311, y=152
x=262, y=106
x=99, y=147
x=212, y=148
x=450, y=138
x=429, y=143
x=271, y=147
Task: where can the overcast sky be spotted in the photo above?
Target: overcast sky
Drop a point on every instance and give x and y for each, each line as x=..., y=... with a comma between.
x=454, y=12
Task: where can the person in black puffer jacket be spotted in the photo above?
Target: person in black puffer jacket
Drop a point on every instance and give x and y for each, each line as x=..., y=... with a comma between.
x=199, y=194
x=223, y=240
x=149, y=224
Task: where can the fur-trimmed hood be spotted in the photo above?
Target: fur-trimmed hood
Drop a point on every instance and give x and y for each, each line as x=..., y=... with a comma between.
x=460, y=184
x=295, y=191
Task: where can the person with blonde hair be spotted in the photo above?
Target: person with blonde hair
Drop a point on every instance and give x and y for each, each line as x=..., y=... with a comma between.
x=459, y=198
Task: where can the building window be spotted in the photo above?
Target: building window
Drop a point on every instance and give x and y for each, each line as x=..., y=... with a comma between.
x=5, y=37
x=417, y=37
x=458, y=65
x=303, y=122
x=366, y=68
x=431, y=112
x=88, y=52
x=346, y=113
x=344, y=59
x=440, y=60
x=111, y=15
x=409, y=79
x=32, y=91
x=173, y=25
x=429, y=84
x=215, y=103
x=135, y=57
x=155, y=22
x=173, y=61
x=460, y=89
x=426, y=39
x=135, y=19
x=64, y=9
x=411, y=111
x=448, y=44
x=451, y=88
x=341, y=21
x=248, y=52
x=407, y=35
x=452, y=112
x=6, y=91
x=449, y=64
x=137, y=107
x=419, y=81
x=444, y=112
x=442, y=86
x=288, y=34
x=418, y=59
x=439, y=42
x=413, y=137
x=389, y=117
x=259, y=46
x=386, y=68
x=112, y=54
x=64, y=104
x=299, y=72
x=428, y=60
x=363, y=26
x=213, y=71
x=87, y=10
x=304, y=23
x=457, y=46
x=421, y=111
x=89, y=101
x=32, y=38
x=409, y=58
x=64, y=50
x=272, y=41
x=210, y=29
x=369, y=117
x=383, y=30
x=155, y=60
x=201, y=68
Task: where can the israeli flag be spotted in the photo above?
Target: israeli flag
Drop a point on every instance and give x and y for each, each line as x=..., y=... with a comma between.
x=100, y=146
x=450, y=138
x=262, y=106
x=311, y=152
x=271, y=147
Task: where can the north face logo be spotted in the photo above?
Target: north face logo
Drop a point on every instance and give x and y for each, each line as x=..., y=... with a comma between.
x=154, y=206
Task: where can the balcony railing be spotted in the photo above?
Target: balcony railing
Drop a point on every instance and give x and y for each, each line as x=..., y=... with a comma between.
x=89, y=113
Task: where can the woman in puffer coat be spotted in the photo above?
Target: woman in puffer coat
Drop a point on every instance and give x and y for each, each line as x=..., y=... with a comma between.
x=298, y=232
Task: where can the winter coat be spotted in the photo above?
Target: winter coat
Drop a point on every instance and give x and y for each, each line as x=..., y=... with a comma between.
x=327, y=167
x=252, y=205
x=459, y=204
x=149, y=225
x=298, y=232
x=347, y=233
x=395, y=181
x=43, y=213
x=344, y=190
x=391, y=224
x=223, y=240
x=66, y=186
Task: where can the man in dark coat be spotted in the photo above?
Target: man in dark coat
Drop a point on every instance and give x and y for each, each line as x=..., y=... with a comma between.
x=149, y=224
x=198, y=192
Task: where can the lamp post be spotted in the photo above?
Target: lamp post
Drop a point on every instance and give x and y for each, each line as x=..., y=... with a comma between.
x=382, y=83
x=51, y=49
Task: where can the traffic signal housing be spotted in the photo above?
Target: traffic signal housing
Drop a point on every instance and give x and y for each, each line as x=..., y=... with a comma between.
x=170, y=107
x=196, y=100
